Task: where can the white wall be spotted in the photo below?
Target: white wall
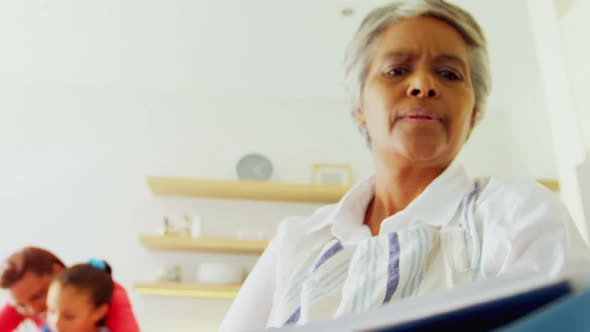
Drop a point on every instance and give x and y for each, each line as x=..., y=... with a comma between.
x=560, y=98
x=76, y=164
x=573, y=27
x=94, y=97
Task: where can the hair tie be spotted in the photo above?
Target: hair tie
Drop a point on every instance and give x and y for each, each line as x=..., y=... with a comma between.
x=97, y=264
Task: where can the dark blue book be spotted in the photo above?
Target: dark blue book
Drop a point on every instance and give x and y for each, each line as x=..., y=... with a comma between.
x=567, y=314
x=488, y=315
x=483, y=305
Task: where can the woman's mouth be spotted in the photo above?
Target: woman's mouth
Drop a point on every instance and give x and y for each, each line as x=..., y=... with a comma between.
x=420, y=115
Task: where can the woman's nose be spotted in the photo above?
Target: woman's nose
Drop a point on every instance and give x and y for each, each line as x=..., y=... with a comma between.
x=59, y=325
x=422, y=85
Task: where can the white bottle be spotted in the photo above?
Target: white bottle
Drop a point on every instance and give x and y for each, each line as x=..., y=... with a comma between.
x=196, y=226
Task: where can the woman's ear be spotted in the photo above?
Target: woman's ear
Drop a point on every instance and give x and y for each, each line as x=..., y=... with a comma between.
x=472, y=121
x=359, y=117
x=56, y=268
x=474, y=115
x=100, y=313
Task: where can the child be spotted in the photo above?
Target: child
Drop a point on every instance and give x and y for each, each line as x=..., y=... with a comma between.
x=78, y=299
x=26, y=275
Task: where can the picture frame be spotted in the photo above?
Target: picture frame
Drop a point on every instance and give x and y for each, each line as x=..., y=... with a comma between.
x=331, y=174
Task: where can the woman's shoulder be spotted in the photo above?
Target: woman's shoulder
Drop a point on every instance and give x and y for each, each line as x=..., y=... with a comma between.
x=304, y=224
x=517, y=198
x=515, y=191
x=121, y=316
x=119, y=293
x=298, y=232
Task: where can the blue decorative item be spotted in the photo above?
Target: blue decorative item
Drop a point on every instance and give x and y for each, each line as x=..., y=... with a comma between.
x=97, y=264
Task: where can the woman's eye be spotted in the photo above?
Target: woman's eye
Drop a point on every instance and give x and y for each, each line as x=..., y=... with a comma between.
x=397, y=71
x=450, y=75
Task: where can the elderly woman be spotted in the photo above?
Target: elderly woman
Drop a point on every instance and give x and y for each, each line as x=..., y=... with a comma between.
x=419, y=78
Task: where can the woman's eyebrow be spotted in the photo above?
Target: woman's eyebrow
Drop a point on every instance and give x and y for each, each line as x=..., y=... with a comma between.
x=36, y=295
x=448, y=57
x=400, y=56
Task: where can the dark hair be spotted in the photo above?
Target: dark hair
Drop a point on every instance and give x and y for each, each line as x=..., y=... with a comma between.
x=97, y=281
x=29, y=259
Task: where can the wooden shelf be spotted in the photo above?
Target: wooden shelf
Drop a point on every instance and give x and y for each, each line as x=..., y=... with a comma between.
x=552, y=185
x=264, y=191
x=187, y=290
x=219, y=245
x=248, y=190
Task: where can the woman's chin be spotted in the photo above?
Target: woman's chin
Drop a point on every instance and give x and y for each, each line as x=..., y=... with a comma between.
x=422, y=156
x=420, y=153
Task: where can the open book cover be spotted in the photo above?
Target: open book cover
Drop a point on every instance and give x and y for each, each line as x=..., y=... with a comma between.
x=479, y=306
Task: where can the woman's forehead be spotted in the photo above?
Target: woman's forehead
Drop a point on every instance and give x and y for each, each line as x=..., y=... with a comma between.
x=415, y=36
x=29, y=285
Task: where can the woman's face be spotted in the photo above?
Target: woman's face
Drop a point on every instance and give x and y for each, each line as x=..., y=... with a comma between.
x=418, y=102
x=71, y=310
x=30, y=293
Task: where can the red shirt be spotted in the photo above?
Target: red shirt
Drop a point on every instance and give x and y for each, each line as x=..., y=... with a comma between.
x=120, y=317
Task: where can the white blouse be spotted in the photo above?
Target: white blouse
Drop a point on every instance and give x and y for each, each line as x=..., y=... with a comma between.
x=458, y=230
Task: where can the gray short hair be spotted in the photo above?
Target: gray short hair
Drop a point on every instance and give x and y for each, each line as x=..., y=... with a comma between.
x=361, y=48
